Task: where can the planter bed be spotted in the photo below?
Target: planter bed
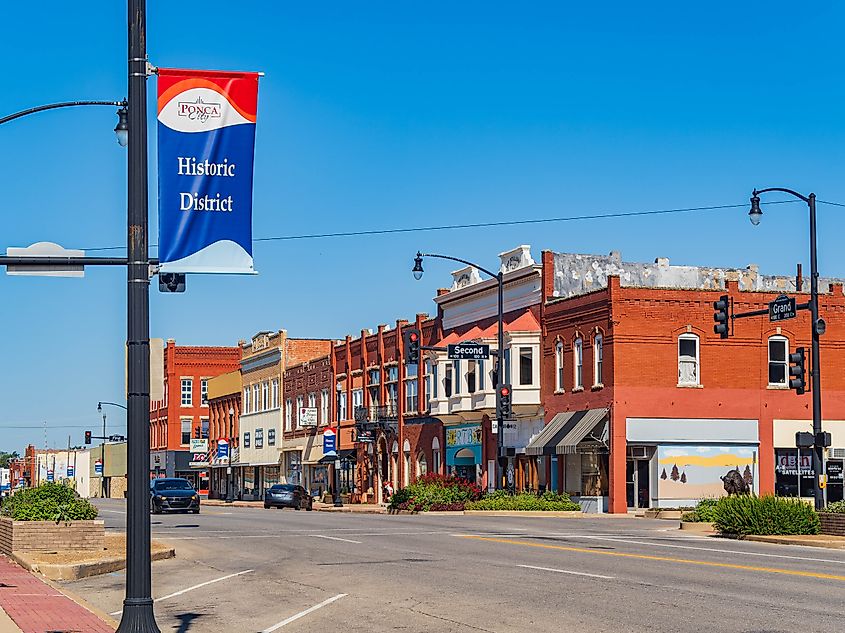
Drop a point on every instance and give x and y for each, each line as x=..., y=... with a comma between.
x=49, y=536
x=674, y=515
x=832, y=523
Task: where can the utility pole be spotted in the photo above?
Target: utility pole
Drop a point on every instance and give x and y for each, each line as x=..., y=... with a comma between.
x=103, y=460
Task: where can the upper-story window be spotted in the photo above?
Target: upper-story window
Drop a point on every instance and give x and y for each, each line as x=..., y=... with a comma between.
x=447, y=380
x=471, y=376
x=265, y=397
x=341, y=405
x=312, y=400
x=246, y=404
x=186, y=424
x=374, y=377
x=559, y=366
x=357, y=398
x=481, y=380
x=391, y=388
x=204, y=392
x=578, y=361
x=300, y=402
x=411, y=395
x=275, y=393
x=598, y=354
x=289, y=414
x=187, y=392
x=256, y=397
x=392, y=373
x=526, y=366
x=688, y=361
x=456, y=374
x=778, y=360
x=431, y=386
x=324, y=406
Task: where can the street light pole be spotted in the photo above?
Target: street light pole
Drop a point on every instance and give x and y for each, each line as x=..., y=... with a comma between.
x=103, y=461
x=229, y=474
x=138, y=614
x=816, y=329
x=500, y=354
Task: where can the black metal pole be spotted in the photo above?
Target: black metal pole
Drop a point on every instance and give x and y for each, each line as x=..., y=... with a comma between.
x=500, y=380
x=815, y=372
x=138, y=614
x=53, y=106
x=229, y=473
x=103, y=460
x=338, y=502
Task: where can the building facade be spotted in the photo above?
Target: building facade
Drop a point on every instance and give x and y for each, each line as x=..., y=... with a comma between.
x=183, y=414
x=224, y=410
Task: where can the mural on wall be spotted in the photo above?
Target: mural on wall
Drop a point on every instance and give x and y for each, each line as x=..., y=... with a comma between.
x=695, y=472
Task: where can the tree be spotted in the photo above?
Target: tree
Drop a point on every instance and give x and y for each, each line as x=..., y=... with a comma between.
x=675, y=476
x=684, y=477
x=663, y=475
x=748, y=477
x=5, y=458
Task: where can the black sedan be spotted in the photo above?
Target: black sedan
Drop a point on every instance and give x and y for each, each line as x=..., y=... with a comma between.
x=287, y=496
x=173, y=495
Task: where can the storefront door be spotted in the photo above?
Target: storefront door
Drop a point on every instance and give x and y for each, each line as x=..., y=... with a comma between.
x=637, y=483
x=834, y=480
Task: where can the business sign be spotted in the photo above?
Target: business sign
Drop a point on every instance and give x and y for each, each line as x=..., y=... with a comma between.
x=50, y=475
x=782, y=308
x=463, y=435
x=69, y=472
x=199, y=460
x=222, y=449
x=329, y=441
x=468, y=351
x=365, y=437
x=206, y=143
x=98, y=467
x=307, y=416
x=199, y=446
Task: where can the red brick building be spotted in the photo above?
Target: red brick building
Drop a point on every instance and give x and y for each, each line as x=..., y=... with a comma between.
x=645, y=406
x=184, y=412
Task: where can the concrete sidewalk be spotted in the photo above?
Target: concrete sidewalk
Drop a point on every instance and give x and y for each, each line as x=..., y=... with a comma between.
x=365, y=508
x=36, y=607
x=6, y=623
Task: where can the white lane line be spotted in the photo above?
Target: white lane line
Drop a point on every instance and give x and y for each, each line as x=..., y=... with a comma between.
x=334, y=538
x=301, y=614
x=112, y=511
x=202, y=584
x=565, y=571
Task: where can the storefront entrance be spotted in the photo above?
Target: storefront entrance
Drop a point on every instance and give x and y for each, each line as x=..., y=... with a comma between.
x=638, y=483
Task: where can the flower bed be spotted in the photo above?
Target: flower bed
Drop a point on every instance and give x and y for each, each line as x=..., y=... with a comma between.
x=435, y=492
x=525, y=501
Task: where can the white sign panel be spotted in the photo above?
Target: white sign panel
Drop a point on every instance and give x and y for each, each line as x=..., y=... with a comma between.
x=308, y=416
x=199, y=446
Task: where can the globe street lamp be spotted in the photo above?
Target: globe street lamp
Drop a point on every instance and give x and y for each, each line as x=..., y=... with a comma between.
x=817, y=327
x=499, y=277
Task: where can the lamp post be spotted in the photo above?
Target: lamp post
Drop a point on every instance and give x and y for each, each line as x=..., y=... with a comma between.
x=100, y=410
x=500, y=354
x=817, y=326
x=229, y=477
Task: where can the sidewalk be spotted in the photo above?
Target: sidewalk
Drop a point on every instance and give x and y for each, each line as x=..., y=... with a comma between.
x=36, y=607
x=818, y=540
x=364, y=508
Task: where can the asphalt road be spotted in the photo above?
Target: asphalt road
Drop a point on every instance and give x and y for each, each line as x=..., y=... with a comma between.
x=255, y=570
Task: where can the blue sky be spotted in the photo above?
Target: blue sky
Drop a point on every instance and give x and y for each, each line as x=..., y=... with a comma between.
x=385, y=114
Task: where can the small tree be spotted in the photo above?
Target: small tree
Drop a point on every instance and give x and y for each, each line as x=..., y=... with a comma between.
x=675, y=476
x=663, y=475
x=684, y=477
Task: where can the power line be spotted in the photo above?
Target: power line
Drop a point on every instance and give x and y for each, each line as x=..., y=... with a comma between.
x=476, y=225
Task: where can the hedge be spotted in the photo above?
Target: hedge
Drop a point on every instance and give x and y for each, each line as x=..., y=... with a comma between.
x=704, y=511
x=768, y=515
x=525, y=501
x=48, y=502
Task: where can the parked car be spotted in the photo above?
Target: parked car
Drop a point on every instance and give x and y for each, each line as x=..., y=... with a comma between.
x=287, y=496
x=173, y=495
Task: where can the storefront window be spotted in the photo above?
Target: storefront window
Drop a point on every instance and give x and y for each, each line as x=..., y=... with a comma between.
x=271, y=476
x=794, y=472
x=594, y=474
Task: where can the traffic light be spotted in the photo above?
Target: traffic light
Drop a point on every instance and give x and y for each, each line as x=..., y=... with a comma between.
x=411, y=337
x=504, y=409
x=171, y=282
x=87, y=437
x=721, y=316
x=797, y=371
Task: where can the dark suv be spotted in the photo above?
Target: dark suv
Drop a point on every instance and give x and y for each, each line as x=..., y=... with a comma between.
x=287, y=496
x=173, y=495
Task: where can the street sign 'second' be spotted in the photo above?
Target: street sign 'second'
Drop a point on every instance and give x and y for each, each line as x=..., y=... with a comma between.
x=468, y=351
x=782, y=308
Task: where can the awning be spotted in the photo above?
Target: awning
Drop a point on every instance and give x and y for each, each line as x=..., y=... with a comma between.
x=588, y=422
x=344, y=454
x=562, y=435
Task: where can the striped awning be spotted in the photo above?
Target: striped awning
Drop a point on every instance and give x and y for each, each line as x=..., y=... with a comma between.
x=585, y=423
x=552, y=433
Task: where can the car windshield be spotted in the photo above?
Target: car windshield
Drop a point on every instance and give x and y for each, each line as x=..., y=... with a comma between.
x=173, y=484
x=283, y=488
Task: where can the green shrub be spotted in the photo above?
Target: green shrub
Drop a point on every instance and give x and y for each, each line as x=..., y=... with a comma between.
x=837, y=506
x=525, y=501
x=48, y=502
x=704, y=511
x=769, y=515
x=435, y=492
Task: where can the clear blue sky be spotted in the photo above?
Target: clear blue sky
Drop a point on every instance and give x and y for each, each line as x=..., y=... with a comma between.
x=386, y=114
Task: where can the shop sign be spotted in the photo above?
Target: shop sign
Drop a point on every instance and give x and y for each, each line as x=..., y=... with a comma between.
x=199, y=446
x=307, y=416
x=787, y=464
x=834, y=471
x=463, y=435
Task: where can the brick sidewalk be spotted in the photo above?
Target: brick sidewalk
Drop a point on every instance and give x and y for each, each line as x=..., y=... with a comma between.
x=36, y=607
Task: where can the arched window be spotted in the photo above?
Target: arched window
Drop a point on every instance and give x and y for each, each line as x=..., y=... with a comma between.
x=435, y=455
x=688, y=369
x=598, y=352
x=422, y=465
x=778, y=361
x=578, y=362
x=406, y=476
x=559, y=366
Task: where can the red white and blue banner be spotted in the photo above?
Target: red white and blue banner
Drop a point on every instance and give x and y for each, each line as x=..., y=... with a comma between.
x=206, y=143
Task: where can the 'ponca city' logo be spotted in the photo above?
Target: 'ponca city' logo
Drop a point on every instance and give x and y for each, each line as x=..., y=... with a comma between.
x=199, y=110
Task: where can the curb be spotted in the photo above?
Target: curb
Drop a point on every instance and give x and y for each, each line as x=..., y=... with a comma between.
x=77, y=571
x=777, y=540
x=693, y=526
x=572, y=514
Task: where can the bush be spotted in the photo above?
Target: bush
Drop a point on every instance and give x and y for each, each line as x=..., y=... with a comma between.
x=435, y=492
x=48, y=502
x=767, y=515
x=837, y=506
x=547, y=502
x=704, y=511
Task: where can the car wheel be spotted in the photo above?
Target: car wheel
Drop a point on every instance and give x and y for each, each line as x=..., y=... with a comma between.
x=197, y=511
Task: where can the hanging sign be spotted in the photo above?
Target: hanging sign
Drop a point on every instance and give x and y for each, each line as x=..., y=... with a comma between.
x=206, y=142
x=329, y=441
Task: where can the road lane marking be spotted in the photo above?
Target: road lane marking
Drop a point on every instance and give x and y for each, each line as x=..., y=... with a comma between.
x=334, y=538
x=112, y=511
x=202, y=584
x=566, y=571
x=301, y=614
x=667, y=559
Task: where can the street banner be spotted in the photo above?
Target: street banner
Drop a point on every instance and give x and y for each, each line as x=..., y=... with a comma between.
x=206, y=142
x=222, y=449
x=329, y=441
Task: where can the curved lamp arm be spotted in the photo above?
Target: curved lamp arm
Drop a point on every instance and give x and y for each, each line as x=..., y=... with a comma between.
x=63, y=104
x=457, y=259
x=757, y=192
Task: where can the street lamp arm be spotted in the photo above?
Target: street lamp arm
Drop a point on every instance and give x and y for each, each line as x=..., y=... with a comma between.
x=63, y=104
x=784, y=190
x=114, y=404
x=462, y=261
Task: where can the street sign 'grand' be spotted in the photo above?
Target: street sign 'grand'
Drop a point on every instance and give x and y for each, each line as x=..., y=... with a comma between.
x=206, y=142
x=782, y=308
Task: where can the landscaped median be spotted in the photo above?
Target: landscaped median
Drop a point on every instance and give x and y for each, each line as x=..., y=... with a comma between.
x=749, y=516
x=439, y=493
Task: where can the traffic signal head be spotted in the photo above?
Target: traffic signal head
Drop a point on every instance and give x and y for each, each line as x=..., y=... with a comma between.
x=411, y=337
x=87, y=437
x=797, y=371
x=504, y=407
x=721, y=316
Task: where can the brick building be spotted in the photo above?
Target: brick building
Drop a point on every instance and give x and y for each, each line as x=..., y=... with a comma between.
x=646, y=406
x=224, y=410
x=183, y=413
x=263, y=460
